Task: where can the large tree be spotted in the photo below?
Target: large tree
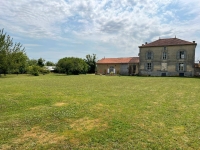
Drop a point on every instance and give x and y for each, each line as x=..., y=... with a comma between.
x=49, y=63
x=12, y=55
x=91, y=61
x=41, y=62
x=72, y=65
x=32, y=62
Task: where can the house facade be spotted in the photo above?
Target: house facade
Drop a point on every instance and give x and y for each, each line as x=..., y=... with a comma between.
x=122, y=66
x=167, y=57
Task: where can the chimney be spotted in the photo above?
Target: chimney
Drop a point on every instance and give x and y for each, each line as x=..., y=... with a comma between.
x=142, y=44
x=145, y=42
x=193, y=41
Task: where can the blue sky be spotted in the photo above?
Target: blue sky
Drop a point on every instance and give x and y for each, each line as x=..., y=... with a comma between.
x=53, y=29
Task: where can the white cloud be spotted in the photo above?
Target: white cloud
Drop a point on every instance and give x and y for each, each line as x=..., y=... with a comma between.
x=123, y=24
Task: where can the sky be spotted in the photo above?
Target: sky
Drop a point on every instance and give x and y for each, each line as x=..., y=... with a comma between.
x=54, y=29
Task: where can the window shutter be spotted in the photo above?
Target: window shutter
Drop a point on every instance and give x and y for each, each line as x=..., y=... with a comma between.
x=167, y=53
x=108, y=70
x=145, y=66
x=185, y=54
x=177, y=65
x=185, y=67
x=152, y=66
x=177, y=55
x=151, y=55
x=146, y=56
x=114, y=70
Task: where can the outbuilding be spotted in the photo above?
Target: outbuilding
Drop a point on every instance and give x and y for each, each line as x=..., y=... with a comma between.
x=122, y=66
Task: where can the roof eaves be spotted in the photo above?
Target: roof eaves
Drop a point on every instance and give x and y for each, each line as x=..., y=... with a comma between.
x=166, y=45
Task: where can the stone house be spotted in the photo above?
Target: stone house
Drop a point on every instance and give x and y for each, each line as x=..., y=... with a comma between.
x=123, y=66
x=167, y=57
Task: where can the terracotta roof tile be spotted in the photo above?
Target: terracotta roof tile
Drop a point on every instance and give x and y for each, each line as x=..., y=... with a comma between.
x=168, y=42
x=122, y=60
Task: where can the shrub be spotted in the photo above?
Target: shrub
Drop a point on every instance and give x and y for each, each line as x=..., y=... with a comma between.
x=34, y=70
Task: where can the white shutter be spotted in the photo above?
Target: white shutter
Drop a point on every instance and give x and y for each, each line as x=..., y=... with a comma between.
x=108, y=70
x=114, y=70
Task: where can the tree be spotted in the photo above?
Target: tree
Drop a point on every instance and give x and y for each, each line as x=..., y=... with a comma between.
x=34, y=70
x=72, y=65
x=49, y=63
x=12, y=56
x=91, y=61
x=32, y=62
x=40, y=62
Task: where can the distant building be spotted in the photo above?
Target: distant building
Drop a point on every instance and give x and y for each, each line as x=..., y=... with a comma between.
x=50, y=68
x=167, y=57
x=197, y=69
x=123, y=66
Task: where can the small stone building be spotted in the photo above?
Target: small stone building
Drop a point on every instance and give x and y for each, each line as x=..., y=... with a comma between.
x=123, y=66
x=167, y=57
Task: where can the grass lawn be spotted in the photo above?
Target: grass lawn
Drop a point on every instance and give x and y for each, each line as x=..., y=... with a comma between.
x=99, y=112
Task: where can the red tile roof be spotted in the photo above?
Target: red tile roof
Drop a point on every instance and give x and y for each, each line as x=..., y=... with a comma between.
x=168, y=42
x=122, y=60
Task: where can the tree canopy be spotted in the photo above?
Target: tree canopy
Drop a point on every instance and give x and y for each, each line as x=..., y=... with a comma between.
x=49, y=63
x=72, y=65
x=12, y=56
x=91, y=61
x=40, y=62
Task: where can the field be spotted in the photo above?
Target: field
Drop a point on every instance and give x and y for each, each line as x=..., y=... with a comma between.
x=99, y=112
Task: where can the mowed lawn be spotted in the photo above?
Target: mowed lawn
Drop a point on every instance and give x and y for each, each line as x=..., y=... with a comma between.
x=99, y=112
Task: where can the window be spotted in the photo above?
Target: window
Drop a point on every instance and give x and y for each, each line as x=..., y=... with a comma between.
x=165, y=48
x=111, y=69
x=181, y=67
x=148, y=55
x=149, y=66
x=164, y=56
x=181, y=55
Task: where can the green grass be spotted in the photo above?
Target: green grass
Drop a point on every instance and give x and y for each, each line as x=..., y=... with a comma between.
x=99, y=112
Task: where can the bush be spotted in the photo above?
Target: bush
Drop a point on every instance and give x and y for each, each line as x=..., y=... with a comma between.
x=44, y=71
x=72, y=65
x=34, y=70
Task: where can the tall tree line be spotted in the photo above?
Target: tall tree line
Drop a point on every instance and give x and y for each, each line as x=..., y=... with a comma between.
x=13, y=59
x=12, y=55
